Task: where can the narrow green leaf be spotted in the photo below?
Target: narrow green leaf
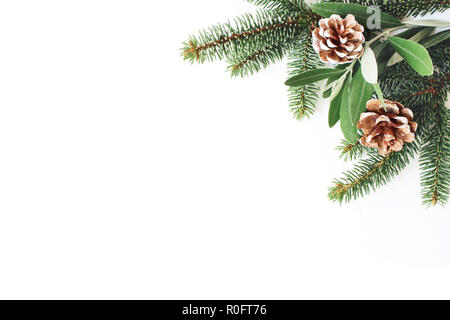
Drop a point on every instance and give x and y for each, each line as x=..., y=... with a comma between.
x=379, y=93
x=435, y=39
x=361, y=13
x=335, y=105
x=344, y=113
x=396, y=58
x=337, y=88
x=328, y=91
x=430, y=23
x=382, y=51
x=312, y=76
x=359, y=92
x=369, y=67
x=414, y=54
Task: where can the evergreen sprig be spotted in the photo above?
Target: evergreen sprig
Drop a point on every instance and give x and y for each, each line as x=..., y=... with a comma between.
x=289, y=5
x=369, y=174
x=249, y=33
x=403, y=8
x=435, y=157
x=249, y=62
x=303, y=100
x=351, y=151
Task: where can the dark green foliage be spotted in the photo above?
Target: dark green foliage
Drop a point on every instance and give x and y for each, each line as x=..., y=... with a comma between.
x=249, y=62
x=435, y=157
x=351, y=151
x=302, y=100
x=371, y=173
x=289, y=5
x=403, y=8
x=360, y=12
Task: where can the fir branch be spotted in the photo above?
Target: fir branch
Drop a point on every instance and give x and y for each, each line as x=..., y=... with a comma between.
x=405, y=8
x=265, y=29
x=435, y=155
x=302, y=100
x=370, y=174
x=351, y=151
x=289, y=5
x=435, y=158
x=247, y=63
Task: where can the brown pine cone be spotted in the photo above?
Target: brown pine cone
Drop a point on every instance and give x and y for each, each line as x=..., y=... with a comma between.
x=387, y=131
x=338, y=40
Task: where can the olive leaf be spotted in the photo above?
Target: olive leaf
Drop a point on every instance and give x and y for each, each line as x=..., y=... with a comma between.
x=335, y=104
x=331, y=82
x=312, y=76
x=430, y=23
x=414, y=54
x=435, y=39
x=345, y=113
x=353, y=104
x=379, y=93
x=337, y=88
x=369, y=66
x=396, y=58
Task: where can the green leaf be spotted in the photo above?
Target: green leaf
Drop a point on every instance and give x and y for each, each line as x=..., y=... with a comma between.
x=369, y=67
x=435, y=39
x=353, y=104
x=344, y=117
x=396, y=58
x=335, y=105
x=328, y=91
x=430, y=23
x=382, y=52
x=361, y=13
x=312, y=76
x=414, y=54
x=337, y=88
x=379, y=93
x=335, y=110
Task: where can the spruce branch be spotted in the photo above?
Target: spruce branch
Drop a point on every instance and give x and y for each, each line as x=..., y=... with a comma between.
x=265, y=29
x=404, y=8
x=435, y=158
x=248, y=62
x=302, y=100
x=289, y=5
x=369, y=174
x=351, y=151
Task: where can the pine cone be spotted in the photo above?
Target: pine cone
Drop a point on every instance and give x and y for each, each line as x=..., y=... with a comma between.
x=387, y=131
x=338, y=40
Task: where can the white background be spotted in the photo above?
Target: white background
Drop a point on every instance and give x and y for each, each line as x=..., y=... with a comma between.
x=128, y=173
